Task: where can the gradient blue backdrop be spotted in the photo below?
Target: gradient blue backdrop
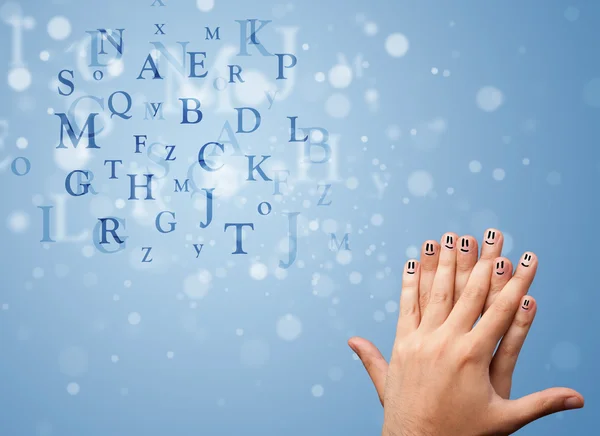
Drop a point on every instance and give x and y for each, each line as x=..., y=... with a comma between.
x=95, y=344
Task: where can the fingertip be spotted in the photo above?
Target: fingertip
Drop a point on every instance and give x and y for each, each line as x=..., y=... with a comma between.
x=528, y=260
x=528, y=304
x=574, y=403
x=359, y=344
x=411, y=267
x=503, y=267
x=449, y=240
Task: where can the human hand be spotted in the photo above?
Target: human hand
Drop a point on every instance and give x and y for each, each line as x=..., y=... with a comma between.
x=506, y=356
x=440, y=376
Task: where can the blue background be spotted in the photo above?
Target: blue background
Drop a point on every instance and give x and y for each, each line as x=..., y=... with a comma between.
x=219, y=348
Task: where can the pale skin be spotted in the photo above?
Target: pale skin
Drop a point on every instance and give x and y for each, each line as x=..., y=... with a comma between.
x=448, y=376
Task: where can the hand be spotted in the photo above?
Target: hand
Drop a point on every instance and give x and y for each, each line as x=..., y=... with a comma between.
x=439, y=380
x=506, y=356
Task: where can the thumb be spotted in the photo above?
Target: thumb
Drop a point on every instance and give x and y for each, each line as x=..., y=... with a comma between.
x=373, y=361
x=535, y=406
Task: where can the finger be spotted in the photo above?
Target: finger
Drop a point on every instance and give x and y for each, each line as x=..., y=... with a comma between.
x=442, y=291
x=496, y=321
x=500, y=276
x=518, y=413
x=466, y=257
x=470, y=304
x=493, y=239
x=505, y=358
x=410, y=314
x=430, y=253
x=373, y=361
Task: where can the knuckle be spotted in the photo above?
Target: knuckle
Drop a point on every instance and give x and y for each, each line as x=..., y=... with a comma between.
x=408, y=310
x=469, y=294
x=464, y=266
x=544, y=405
x=469, y=352
x=429, y=266
x=502, y=306
x=439, y=298
x=519, y=279
x=446, y=262
x=510, y=351
x=522, y=323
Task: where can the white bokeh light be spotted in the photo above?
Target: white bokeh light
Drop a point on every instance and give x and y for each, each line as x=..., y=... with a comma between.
x=134, y=318
x=508, y=245
x=317, y=391
x=498, y=174
x=571, y=14
x=19, y=79
x=489, y=98
x=59, y=28
x=205, y=5
x=412, y=252
x=475, y=166
x=377, y=219
x=554, y=178
x=73, y=388
x=396, y=45
x=420, y=183
x=338, y=106
x=196, y=286
x=116, y=67
x=323, y=285
x=355, y=277
x=591, y=93
x=18, y=221
x=259, y=271
x=22, y=143
x=289, y=327
x=340, y=76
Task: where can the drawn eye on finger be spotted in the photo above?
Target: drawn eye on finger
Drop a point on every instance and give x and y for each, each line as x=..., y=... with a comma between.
x=500, y=267
x=449, y=242
x=527, y=258
x=490, y=238
x=411, y=267
x=464, y=245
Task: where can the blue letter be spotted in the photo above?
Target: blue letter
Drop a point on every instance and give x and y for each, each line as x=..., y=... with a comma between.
x=238, y=235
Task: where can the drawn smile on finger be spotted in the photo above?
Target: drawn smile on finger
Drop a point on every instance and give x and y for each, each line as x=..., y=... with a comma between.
x=449, y=242
x=410, y=267
x=526, y=258
x=499, y=268
x=525, y=305
x=429, y=249
x=491, y=236
x=464, y=245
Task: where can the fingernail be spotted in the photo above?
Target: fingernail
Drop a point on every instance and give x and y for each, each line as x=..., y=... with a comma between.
x=573, y=403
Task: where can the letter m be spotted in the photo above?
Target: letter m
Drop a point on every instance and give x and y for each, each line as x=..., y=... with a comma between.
x=179, y=187
x=333, y=243
x=212, y=35
x=65, y=126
